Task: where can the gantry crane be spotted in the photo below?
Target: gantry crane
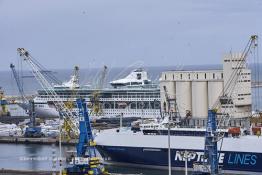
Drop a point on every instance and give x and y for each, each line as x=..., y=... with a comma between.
x=71, y=103
x=49, y=89
x=18, y=83
x=172, y=108
x=95, y=97
x=3, y=103
x=79, y=124
x=86, y=162
x=32, y=130
x=213, y=135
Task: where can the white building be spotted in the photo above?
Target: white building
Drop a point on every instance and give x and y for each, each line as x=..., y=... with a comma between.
x=198, y=91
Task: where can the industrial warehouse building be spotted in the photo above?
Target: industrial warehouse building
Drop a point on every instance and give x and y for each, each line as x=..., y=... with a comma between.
x=197, y=91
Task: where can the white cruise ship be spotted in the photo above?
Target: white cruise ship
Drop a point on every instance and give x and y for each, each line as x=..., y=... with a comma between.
x=133, y=96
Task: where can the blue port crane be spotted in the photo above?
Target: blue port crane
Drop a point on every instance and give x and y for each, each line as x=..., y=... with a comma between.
x=210, y=166
x=86, y=162
x=212, y=136
x=18, y=83
x=211, y=139
x=32, y=130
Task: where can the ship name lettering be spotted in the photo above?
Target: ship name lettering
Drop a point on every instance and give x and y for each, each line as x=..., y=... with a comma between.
x=242, y=159
x=197, y=156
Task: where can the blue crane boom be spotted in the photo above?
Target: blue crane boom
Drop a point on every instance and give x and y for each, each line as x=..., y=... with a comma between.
x=211, y=139
x=86, y=161
x=18, y=83
x=85, y=136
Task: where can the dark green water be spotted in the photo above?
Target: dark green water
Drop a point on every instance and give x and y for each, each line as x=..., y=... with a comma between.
x=39, y=157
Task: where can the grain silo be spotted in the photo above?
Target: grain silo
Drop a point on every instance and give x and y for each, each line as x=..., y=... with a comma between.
x=167, y=81
x=184, y=97
x=199, y=90
x=215, y=89
x=199, y=99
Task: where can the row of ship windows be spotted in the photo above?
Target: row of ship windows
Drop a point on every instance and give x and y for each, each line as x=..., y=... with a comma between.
x=242, y=67
x=244, y=94
x=41, y=106
x=112, y=113
x=236, y=60
x=244, y=73
x=243, y=81
x=134, y=96
x=145, y=93
x=126, y=97
x=227, y=106
x=134, y=110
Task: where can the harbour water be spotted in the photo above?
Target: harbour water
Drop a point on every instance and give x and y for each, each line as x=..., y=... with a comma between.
x=39, y=157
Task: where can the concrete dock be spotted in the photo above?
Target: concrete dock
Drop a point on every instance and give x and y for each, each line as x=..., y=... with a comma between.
x=47, y=141
x=27, y=172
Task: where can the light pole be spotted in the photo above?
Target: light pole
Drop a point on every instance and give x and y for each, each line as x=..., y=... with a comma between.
x=186, y=154
x=169, y=150
x=121, y=121
x=60, y=145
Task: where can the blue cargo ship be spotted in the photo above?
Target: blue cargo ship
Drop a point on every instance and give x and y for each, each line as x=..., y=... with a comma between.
x=240, y=151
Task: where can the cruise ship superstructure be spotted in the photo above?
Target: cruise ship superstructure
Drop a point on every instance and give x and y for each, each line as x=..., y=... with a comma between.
x=133, y=96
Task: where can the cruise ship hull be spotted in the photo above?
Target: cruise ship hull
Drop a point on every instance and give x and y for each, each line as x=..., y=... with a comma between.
x=42, y=110
x=238, y=155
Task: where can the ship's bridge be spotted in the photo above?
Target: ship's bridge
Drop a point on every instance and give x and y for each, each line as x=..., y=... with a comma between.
x=136, y=77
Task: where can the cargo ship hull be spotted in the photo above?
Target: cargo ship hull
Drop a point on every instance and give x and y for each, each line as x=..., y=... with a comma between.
x=234, y=162
x=238, y=155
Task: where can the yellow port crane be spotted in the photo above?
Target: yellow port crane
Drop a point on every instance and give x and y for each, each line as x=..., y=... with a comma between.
x=4, y=110
x=74, y=85
x=70, y=103
x=95, y=97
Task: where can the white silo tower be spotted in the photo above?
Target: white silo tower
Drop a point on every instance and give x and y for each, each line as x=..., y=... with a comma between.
x=199, y=99
x=184, y=97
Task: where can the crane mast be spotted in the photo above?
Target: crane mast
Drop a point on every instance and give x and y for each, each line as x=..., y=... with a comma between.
x=172, y=108
x=231, y=84
x=18, y=83
x=83, y=163
x=67, y=114
x=212, y=135
x=80, y=124
x=97, y=109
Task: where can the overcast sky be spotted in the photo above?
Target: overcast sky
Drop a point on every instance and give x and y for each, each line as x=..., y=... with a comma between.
x=91, y=33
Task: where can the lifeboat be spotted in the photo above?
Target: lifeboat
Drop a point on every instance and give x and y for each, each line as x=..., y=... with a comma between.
x=234, y=131
x=122, y=105
x=256, y=131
